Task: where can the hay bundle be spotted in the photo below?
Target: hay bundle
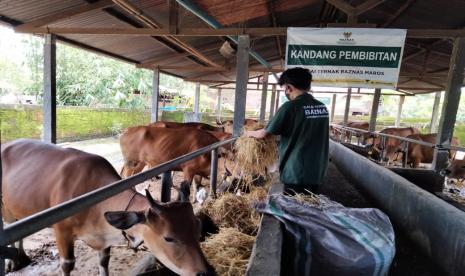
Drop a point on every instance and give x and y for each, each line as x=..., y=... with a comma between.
x=309, y=198
x=257, y=194
x=255, y=155
x=234, y=211
x=228, y=251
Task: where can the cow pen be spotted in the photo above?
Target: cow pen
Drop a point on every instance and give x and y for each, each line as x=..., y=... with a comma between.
x=154, y=35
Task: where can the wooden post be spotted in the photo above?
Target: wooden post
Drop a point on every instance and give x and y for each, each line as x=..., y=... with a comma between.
x=333, y=107
x=263, y=100
x=346, y=110
x=374, y=110
x=155, y=95
x=451, y=102
x=399, y=110
x=218, y=105
x=242, y=77
x=2, y=260
x=50, y=99
x=272, y=101
x=434, y=117
x=197, y=99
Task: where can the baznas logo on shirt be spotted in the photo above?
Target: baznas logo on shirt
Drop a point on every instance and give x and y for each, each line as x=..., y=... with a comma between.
x=315, y=111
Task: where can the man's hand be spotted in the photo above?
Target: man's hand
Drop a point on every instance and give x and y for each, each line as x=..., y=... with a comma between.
x=261, y=133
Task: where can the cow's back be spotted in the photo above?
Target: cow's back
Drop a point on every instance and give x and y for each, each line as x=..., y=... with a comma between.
x=37, y=176
x=158, y=145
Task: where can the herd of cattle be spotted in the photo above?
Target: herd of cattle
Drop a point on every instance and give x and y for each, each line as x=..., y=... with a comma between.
x=37, y=176
x=391, y=150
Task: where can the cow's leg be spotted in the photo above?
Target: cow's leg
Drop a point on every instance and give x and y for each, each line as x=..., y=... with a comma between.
x=21, y=260
x=104, y=259
x=65, y=245
x=197, y=182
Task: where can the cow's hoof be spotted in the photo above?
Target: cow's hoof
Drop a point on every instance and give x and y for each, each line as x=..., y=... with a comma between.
x=21, y=261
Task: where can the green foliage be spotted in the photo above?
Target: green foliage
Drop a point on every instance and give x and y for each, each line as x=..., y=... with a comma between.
x=73, y=123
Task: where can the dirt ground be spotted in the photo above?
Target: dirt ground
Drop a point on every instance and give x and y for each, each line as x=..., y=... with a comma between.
x=41, y=246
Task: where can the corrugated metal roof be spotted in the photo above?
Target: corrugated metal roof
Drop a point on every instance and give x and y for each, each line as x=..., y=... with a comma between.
x=245, y=13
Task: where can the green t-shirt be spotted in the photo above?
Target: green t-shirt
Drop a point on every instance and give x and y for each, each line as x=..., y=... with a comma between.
x=303, y=149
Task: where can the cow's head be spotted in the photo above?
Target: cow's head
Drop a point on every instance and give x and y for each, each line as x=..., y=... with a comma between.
x=227, y=125
x=131, y=168
x=455, y=169
x=170, y=231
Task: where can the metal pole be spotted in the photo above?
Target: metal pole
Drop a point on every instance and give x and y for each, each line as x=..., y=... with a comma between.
x=374, y=110
x=155, y=95
x=2, y=260
x=242, y=77
x=213, y=172
x=197, y=99
x=399, y=110
x=50, y=101
x=263, y=100
x=434, y=117
x=346, y=110
x=166, y=183
x=333, y=107
x=451, y=103
x=272, y=101
x=218, y=104
x=277, y=101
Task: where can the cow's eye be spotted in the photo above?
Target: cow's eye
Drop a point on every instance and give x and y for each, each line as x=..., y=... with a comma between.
x=168, y=239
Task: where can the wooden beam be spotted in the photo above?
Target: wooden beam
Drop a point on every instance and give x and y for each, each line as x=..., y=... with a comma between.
x=347, y=108
x=343, y=6
x=152, y=23
x=281, y=31
x=263, y=98
x=198, y=68
x=423, y=49
x=173, y=8
x=158, y=59
x=367, y=5
x=398, y=13
x=65, y=14
x=274, y=21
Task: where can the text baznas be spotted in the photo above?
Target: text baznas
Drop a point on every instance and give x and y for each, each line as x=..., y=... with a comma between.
x=366, y=56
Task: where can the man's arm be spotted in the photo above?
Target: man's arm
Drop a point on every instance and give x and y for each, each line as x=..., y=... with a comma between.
x=260, y=133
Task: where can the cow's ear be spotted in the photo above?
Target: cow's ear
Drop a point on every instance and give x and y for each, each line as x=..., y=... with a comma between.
x=124, y=220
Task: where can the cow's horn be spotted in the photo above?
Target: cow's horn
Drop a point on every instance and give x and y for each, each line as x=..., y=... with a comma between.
x=153, y=204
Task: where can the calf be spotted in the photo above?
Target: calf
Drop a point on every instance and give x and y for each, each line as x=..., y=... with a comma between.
x=37, y=176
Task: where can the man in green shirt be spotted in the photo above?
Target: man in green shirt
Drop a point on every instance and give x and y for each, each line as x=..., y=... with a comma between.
x=303, y=125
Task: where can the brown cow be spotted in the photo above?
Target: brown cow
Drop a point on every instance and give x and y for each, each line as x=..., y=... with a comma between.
x=228, y=124
x=422, y=154
x=152, y=146
x=357, y=125
x=391, y=145
x=37, y=176
x=455, y=169
x=197, y=125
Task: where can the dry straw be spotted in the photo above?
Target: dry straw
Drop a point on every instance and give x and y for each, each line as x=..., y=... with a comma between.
x=309, y=198
x=228, y=251
x=255, y=155
x=234, y=211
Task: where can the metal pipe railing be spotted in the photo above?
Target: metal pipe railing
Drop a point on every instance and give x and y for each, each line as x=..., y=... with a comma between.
x=40, y=220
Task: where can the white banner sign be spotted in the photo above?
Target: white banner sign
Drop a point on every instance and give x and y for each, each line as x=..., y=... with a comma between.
x=347, y=57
